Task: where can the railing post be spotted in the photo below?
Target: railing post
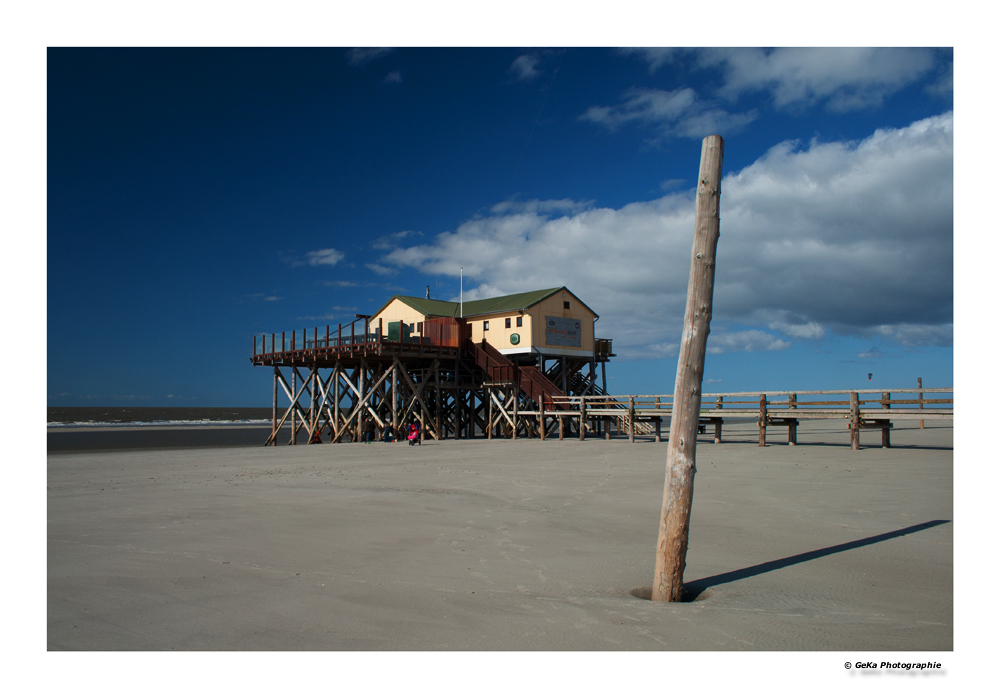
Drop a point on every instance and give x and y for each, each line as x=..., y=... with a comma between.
x=886, y=405
x=583, y=418
x=920, y=398
x=762, y=421
x=327, y=336
x=855, y=422
x=254, y=345
x=631, y=419
x=541, y=417
x=718, y=422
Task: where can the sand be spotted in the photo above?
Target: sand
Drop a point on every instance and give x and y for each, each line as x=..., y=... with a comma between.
x=500, y=545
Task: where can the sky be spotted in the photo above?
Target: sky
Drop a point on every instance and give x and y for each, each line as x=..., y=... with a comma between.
x=197, y=197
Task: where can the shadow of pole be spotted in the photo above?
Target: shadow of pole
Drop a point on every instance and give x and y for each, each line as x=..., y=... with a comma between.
x=693, y=589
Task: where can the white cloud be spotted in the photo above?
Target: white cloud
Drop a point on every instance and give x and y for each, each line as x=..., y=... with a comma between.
x=327, y=257
x=843, y=78
x=383, y=270
x=360, y=56
x=678, y=112
x=525, y=67
x=844, y=238
x=393, y=77
x=656, y=57
x=393, y=240
x=747, y=340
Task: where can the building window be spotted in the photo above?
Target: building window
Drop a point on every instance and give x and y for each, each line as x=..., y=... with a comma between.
x=519, y=321
x=506, y=323
x=420, y=328
x=411, y=327
x=565, y=305
x=486, y=325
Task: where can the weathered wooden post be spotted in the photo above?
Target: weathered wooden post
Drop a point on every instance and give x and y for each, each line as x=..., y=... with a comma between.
x=920, y=397
x=541, y=417
x=678, y=489
x=295, y=431
x=274, y=404
x=517, y=399
x=762, y=421
x=631, y=419
x=855, y=422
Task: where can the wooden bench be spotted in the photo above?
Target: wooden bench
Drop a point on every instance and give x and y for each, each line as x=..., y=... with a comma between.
x=791, y=422
x=703, y=423
x=884, y=424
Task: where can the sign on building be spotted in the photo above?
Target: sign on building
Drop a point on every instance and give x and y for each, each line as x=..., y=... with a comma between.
x=562, y=332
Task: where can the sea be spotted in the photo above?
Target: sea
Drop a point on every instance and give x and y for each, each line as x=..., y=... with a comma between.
x=157, y=416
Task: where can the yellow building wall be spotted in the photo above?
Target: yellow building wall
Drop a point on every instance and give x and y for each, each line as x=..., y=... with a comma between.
x=499, y=335
x=397, y=311
x=553, y=306
x=532, y=331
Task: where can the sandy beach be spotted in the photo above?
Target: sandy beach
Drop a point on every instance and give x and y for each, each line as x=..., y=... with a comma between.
x=501, y=545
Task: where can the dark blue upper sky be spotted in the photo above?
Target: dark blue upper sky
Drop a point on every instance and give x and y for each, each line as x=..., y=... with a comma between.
x=199, y=196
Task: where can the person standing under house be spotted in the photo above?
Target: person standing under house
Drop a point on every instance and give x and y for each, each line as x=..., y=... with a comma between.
x=366, y=428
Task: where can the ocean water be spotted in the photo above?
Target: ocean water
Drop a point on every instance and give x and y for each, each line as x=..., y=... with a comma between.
x=136, y=416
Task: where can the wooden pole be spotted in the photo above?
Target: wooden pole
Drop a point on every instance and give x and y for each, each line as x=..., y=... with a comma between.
x=274, y=403
x=920, y=396
x=541, y=418
x=517, y=399
x=762, y=421
x=855, y=422
x=294, y=401
x=631, y=419
x=678, y=489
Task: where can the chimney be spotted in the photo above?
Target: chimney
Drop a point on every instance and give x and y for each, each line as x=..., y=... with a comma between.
x=428, y=296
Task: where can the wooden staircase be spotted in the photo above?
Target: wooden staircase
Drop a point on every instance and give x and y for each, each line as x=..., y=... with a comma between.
x=501, y=369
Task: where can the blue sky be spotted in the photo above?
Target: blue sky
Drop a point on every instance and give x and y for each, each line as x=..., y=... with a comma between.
x=197, y=197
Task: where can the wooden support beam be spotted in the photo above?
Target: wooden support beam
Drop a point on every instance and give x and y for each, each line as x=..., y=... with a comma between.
x=678, y=490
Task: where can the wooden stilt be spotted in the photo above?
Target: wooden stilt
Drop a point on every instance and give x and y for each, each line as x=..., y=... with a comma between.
x=295, y=431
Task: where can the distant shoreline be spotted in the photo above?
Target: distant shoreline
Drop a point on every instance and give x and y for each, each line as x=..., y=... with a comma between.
x=155, y=415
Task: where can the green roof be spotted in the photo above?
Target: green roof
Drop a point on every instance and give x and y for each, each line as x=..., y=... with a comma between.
x=485, y=306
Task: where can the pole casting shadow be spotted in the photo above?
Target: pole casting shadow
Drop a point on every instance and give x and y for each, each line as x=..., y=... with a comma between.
x=692, y=590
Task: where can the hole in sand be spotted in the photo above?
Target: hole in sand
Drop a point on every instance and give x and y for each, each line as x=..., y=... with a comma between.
x=690, y=594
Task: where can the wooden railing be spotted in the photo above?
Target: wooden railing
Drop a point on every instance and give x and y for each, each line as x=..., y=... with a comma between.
x=861, y=409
